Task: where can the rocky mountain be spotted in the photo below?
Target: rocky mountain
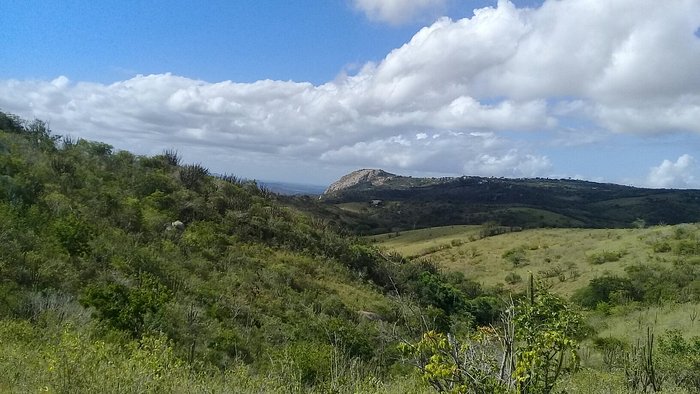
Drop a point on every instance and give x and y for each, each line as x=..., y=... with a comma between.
x=364, y=177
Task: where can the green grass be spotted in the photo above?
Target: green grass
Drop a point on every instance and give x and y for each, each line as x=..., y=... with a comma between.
x=633, y=322
x=564, y=255
x=354, y=207
x=424, y=241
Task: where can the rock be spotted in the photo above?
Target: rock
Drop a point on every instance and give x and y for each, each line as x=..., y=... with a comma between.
x=371, y=177
x=176, y=225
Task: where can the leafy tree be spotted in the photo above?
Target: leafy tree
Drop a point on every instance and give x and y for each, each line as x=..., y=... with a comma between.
x=528, y=353
x=546, y=333
x=601, y=289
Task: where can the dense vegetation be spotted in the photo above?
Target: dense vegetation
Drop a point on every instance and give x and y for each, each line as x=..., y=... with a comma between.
x=409, y=203
x=141, y=270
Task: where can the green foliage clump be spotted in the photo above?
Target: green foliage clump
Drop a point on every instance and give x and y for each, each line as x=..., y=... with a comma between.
x=604, y=289
x=530, y=350
x=515, y=256
x=125, y=307
x=513, y=278
x=679, y=359
x=605, y=256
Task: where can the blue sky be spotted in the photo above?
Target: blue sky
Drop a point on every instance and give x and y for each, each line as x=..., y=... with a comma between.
x=305, y=91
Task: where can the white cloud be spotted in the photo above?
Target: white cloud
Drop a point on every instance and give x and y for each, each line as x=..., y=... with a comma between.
x=455, y=153
x=511, y=164
x=577, y=70
x=397, y=12
x=679, y=174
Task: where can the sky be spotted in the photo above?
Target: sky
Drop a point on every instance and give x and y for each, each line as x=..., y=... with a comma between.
x=305, y=91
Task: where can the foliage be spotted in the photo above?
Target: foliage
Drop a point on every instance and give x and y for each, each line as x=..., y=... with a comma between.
x=471, y=366
x=513, y=278
x=515, y=256
x=679, y=359
x=604, y=257
x=604, y=289
x=215, y=274
x=530, y=350
x=547, y=332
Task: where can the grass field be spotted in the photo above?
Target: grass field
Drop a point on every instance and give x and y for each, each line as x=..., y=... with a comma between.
x=567, y=258
x=426, y=241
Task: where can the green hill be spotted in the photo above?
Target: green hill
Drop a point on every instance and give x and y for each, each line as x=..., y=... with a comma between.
x=627, y=279
x=405, y=203
x=129, y=273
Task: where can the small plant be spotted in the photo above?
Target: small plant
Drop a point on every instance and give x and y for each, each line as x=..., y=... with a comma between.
x=605, y=257
x=172, y=157
x=192, y=175
x=640, y=367
x=515, y=256
x=513, y=278
x=661, y=247
x=612, y=349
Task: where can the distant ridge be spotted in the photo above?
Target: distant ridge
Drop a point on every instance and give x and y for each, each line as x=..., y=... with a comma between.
x=411, y=202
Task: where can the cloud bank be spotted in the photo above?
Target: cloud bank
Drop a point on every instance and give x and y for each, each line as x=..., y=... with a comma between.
x=678, y=174
x=454, y=99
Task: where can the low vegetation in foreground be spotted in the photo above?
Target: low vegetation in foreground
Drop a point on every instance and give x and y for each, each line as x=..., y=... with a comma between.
x=125, y=273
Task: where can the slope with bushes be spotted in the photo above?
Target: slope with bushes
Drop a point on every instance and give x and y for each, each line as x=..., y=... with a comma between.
x=115, y=262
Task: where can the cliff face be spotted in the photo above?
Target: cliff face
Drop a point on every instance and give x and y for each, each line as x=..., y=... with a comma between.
x=371, y=177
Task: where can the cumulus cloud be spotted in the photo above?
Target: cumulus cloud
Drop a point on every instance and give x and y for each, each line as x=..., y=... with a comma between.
x=470, y=153
x=397, y=12
x=679, y=174
x=442, y=102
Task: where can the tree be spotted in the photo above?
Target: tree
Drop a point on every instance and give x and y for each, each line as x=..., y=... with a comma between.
x=528, y=352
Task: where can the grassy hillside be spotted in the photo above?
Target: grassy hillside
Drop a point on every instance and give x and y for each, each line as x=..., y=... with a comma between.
x=568, y=258
x=627, y=280
x=125, y=273
x=129, y=273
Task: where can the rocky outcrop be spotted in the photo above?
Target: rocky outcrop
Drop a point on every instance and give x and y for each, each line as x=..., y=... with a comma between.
x=369, y=177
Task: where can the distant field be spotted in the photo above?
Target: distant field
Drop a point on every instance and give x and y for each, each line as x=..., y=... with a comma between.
x=427, y=240
x=562, y=256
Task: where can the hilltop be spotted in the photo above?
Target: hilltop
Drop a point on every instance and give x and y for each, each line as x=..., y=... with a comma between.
x=403, y=203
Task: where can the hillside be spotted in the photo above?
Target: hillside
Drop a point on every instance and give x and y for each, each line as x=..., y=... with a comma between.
x=568, y=258
x=121, y=273
x=404, y=203
x=629, y=282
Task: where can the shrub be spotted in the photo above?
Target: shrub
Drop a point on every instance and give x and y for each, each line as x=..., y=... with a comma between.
x=513, y=278
x=604, y=289
x=515, y=256
x=604, y=257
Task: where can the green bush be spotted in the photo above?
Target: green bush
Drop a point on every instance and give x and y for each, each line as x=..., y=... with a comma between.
x=604, y=257
x=513, y=278
x=604, y=289
x=515, y=256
